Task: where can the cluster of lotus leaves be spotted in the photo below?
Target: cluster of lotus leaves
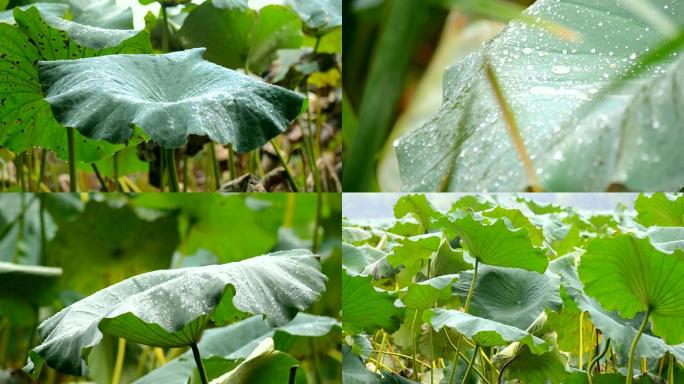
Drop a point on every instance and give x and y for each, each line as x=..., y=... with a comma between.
x=171, y=308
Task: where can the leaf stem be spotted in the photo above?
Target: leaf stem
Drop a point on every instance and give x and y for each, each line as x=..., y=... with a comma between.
x=72, y=159
x=632, y=348
x=165, y=34
x=501, y=372
x=231, y=162
x=513, y=129
x=413, y=339
x=43, y=163
x=470, y=364
x=115, y=160
x=581, y=339
x=215, y=167
x=595, y=361
x=103, y=184
x=465, y=310
x=118, y=366
x=173, y=174
x=198, y=361
x=290, y=178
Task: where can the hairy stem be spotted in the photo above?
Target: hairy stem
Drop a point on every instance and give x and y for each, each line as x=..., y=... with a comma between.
x=72, y=159
x=43, y=163
x=115, y=160
x=231, y=162
x=198, y=361
x=632, y=348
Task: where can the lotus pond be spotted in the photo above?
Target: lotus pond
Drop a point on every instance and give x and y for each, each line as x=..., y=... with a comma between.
x=506, y=289
x=111, y=288
x=205, y=96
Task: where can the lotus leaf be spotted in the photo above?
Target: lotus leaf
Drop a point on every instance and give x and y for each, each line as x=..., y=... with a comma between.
x=580, y=132
x=170, y=308
x=169, y=97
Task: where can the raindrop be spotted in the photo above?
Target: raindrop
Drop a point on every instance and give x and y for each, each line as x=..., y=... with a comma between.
x=560, y=70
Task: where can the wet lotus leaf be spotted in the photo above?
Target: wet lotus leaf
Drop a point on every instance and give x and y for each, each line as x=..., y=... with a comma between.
x=319, y=16
x=170, y=308
x=629, y=275
x=509, y=295
x=241, y=38
x=419, y=207
x=26, y=120
x=629, y=136
x=482, y=331
x=236, y=342
x=169, y=97
x=101, y=13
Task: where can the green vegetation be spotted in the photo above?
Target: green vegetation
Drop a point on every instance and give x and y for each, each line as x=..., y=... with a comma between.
x=170, y=288
x=512, y=291
x=207, y=97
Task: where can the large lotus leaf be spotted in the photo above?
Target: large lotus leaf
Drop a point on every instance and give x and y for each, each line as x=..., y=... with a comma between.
x=169, y=308
x=484, y=332
x=265, y=365
x=107, y=244
x=54, y=9
x=169, y=97
x=33, y=284
x=319, y=16
x=475, y=203
x=239, y=38
x=577, y=141
x=629, y=275
x=237, y=341
x=26, y=120
x=365, y=308
x=660, y=209
x=419, y=207
x=210, y=221
x=620, y=331
x=495, y=243
x=509, y=295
